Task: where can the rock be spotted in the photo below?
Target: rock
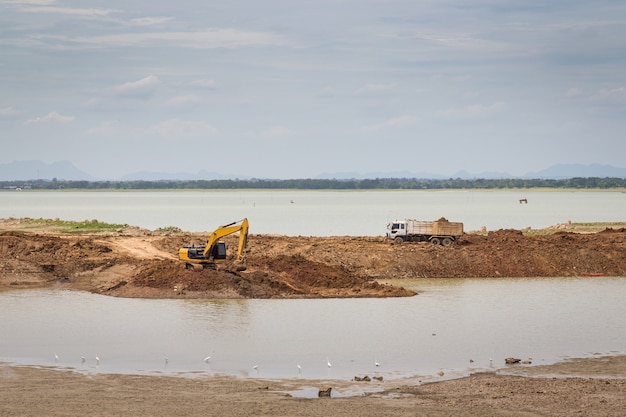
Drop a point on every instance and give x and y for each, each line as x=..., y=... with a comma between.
x=324, y=392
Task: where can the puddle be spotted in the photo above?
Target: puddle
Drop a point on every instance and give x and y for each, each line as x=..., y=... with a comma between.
x=313, y=392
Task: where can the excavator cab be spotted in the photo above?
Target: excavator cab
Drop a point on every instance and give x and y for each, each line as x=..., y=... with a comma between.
x=219, y=250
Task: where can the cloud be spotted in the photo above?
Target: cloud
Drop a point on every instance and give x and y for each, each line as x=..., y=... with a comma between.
x=327, y=92
x=574, y=92
x=212, y=38
x=396, y=122
x=376, y=89
x=614, y=95
x=66, y=10
x=180, y=101
x=38, y=2
x=177, y=129
x=183, y=129
x=137, y=89
x=51, y=117
x=149, y=21
x=8, y=113
x=204, y=83
x=108, y=128
x=274, y=132
x=472, y=111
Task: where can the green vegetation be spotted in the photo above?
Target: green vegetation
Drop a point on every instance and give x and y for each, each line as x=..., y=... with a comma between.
x=325, y=184
x=168, y=230
x=66, y=226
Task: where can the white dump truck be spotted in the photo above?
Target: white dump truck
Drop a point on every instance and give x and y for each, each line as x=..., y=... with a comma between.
x=440, y=232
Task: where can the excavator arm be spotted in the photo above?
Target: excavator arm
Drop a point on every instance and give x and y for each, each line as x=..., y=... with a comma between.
x=226, y=230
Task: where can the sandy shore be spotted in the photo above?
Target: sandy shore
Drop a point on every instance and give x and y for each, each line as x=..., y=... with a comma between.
x=587, y=387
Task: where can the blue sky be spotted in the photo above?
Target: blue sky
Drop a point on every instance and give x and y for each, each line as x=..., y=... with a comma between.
x=293, y=89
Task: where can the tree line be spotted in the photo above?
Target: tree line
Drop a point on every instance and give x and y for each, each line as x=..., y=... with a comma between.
x=322, y=184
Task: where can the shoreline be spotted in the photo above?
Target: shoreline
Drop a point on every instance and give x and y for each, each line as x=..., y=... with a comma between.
x=586, y=386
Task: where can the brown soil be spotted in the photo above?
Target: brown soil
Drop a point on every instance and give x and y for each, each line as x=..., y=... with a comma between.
x=589, y=387
x=140, y=263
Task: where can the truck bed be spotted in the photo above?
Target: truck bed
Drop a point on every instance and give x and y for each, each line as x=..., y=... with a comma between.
x=436, y=228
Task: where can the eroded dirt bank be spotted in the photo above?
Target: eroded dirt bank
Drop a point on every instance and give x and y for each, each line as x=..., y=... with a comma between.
x=138, y=263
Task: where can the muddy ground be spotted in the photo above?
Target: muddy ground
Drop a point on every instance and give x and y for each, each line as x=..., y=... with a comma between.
x=139, y=263
x=590, y=387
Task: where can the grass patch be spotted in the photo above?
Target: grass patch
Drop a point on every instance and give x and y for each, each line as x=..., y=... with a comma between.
x=69, y=226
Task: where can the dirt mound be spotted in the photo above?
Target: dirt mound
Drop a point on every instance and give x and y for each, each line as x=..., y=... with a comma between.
x=145, y=265
x=283, y=276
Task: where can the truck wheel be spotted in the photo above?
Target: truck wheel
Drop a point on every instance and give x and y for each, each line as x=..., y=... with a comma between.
x=446, y=241
x=398, y=240
x=435, y=241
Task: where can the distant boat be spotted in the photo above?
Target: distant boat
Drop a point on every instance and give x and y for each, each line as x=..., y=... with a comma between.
x=593, y=274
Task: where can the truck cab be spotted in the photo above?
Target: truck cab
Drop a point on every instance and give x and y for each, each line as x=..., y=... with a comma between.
x=395, y=229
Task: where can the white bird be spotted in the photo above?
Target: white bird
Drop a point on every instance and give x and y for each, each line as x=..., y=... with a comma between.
x=376, y=362
x=82, y=359
x=328, y=362
x=299, y=368
x=207, y=359
x=97, y=360
x=56, y=358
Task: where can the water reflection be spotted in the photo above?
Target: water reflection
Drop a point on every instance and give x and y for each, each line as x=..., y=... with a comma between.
x=453, y=325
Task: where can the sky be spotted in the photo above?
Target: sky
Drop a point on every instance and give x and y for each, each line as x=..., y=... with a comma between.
x=295, y=89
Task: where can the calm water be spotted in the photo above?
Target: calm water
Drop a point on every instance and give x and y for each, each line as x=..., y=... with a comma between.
x=450, y=322
x=318, y=213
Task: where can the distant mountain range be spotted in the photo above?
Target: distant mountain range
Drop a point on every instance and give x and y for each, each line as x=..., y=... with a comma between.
x=65, y=170
x=557, y=172
x=38, y=170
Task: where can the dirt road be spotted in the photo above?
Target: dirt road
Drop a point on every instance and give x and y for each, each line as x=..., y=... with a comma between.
x=140, y=263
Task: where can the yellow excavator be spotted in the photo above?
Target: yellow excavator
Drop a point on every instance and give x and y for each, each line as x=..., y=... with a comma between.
x=214, y=251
